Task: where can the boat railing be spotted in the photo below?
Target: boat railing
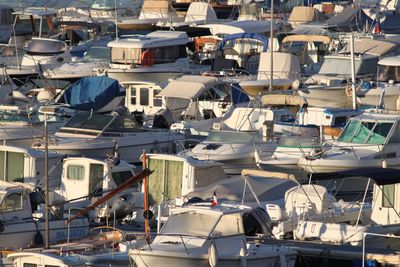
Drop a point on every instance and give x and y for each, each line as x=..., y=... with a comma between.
x=352, y=148
x=278, y=74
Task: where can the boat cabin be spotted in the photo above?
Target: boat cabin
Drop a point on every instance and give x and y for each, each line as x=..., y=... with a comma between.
x=31, y=259
x=14, y=201
x=175, y=176
x=26, y=165
x=372, y=129
x=389, y=70
x=156, y=48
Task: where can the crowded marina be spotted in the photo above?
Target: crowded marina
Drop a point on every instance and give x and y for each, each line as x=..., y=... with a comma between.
x=199, y=133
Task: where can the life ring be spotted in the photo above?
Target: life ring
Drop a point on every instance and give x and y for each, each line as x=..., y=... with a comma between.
x=147, y=58
x=348, y=90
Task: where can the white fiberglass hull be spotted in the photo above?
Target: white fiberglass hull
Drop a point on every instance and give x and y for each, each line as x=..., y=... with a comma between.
x=129, y=147
x=159, y=75
x=327, y=97
x=161, y=259
x=22, y=234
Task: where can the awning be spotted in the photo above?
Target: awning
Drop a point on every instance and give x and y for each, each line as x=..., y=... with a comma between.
x=369, y=46
x=307, y=38
x=189, y=86
x=283, y=100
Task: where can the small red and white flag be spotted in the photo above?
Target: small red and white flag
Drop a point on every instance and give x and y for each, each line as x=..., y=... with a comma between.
x=214, y=200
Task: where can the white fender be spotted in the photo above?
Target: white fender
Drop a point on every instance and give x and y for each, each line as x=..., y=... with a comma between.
x=213, y=255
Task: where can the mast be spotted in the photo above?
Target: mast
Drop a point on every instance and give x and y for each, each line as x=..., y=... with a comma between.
x=46, y=181
x=271, y=45
x=353, y=74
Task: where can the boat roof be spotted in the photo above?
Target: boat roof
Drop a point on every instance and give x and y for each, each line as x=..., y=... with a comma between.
x=192, y=161
x=378, y=117
x=369, y=46
x=154, y=39
x=307, y=38
x=36, y=12
x=217, y=210
x=390, y=61
x=188, y=86
x=69, y=260
x=28, y=151
x=242, y=26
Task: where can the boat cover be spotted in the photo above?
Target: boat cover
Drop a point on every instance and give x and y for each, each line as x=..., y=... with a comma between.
x=236, y=36
x=286, y=66
x=304, y=14
x=369, y=46
x=92, y=93
x=188, y=86
x=199, y=11
x=351, y=19
x=391, y=24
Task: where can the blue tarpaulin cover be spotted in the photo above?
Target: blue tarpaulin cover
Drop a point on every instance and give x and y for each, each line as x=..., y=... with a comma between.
x=92, y=93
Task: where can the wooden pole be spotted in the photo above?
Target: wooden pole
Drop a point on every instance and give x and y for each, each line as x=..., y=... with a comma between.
x=115, y=191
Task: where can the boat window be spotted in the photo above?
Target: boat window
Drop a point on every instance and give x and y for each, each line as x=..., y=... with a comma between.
x=251, y=225
x=230, y=224
x=388, y=196
x=204, y=176
x=190, y=223
x=395, y=137
x=75, y=172
x=98, y=53
x=86, y=120
x=144, y=96
x=169, y=54
x=340, y=120
x=157, y=100
x=126, y=55
x=362, y=132
x=96, y=174
x=52, y=265
x=12, y=166
x=12, y=202
x=133, y=95
x=30, y=265
x=123, y=124
x=121, y=177
x=387, y=73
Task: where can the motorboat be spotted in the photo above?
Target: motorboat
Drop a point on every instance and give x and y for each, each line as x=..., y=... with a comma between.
x=20, y=259
x=23, y=226
x=385, y=93
x=329, y=87
x=40, y=52
x=368, y=140
x=98, y=135
x=154, y=57
x=203, y=236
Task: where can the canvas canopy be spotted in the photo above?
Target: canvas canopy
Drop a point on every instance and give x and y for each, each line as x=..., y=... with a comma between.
x=200, y=11
x=307, y=38
x=351, y=19
x=236, y=36
x=286, y=66
x=265, y=188
x=283, y=100
x=303, y=15
x=92, y=93
x=188, y=86
x=243, y=26
x=370, y=46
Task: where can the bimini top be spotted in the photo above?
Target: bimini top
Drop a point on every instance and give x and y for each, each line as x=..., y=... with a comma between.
x=370, y=46
x=390, y=61
x=188, y=86
x=154, y=39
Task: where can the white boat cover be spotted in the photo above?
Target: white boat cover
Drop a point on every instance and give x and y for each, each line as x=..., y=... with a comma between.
x=304, y=14
x=286, y=100
x=200, y=11
x=188, y=86
x=370, y=46
x=286, y=66
x=243, y=26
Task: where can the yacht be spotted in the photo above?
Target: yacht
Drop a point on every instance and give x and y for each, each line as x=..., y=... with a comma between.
x=205, y=236
x=154, y=57
x=98, y=135
x=368, y=140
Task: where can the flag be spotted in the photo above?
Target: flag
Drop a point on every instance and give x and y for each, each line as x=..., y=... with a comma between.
x=214, y=200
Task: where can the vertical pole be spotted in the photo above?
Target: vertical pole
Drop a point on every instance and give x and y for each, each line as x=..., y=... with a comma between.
x=116, y=20
x=353, y=74
x=271, y=45
x=46, y=180
x=146, y=196
x=15, y=43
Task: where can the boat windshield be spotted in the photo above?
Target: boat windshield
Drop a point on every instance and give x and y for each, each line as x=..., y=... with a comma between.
x=387, y=73
x=232, y=137
x=190, y=223
x=365, y=132
x=99, y=53
x=98, y=122
x=342, y=66
x=18, y=116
